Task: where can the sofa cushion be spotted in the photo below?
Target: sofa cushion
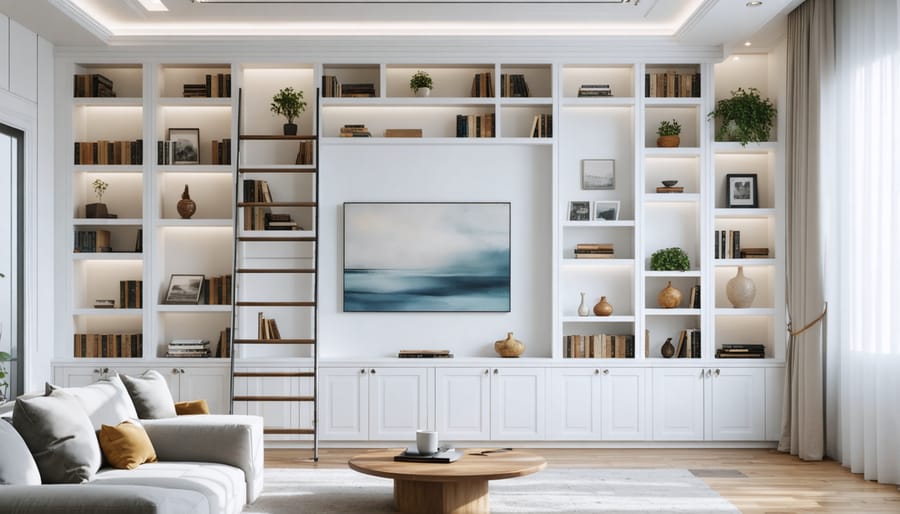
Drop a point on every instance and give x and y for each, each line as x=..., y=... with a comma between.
x=112, y=499
x=222, y=485
x=60, y=436
x=150, y=394
x=191, y=407
x=17, y=466
x=126, y=445
x=105, y=401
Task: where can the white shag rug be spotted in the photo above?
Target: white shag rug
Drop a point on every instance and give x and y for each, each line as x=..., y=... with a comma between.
x=344, y=491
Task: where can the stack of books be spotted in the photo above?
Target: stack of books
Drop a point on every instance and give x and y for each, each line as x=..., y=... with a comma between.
x=256, y=192
x=594, y=251
x=355, y=130
x=194, y=91
x=413, y=132
x=215, y=86
x=754, y=253
x=670, y=189
x=188, y=348
x=741, y=351
x=513, y=85
x=360, y=90
x=425, y=354
x=594, y=90
x=280, y=221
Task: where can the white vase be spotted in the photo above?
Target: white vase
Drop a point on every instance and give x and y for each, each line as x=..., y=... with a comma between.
x=740, y=290
x=582, y=308
x=423, y=91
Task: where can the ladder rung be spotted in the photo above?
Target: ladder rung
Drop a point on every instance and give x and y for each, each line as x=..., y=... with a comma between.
x=274, y=341
x=274, y=399
x=304, y=431
x=256, y=239
x=276, y=137
x=278, y=170
x=276, y=204
x=276, y=270
x=275, y=304
x=274, y=374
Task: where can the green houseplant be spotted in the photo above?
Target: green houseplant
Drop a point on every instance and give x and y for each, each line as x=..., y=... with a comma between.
x=97, y=209
x=745, y=117
x=668, y=132
x=670, y=259
x=420, y=83
x=289, y=103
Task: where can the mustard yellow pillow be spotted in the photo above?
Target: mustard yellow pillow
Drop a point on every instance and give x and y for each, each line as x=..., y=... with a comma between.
x=192, y=407
x=126, y=445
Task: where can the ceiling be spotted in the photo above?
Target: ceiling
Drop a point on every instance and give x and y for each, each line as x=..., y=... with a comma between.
x=126, y=22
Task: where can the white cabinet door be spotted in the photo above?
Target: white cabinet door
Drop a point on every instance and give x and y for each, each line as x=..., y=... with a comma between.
x=398, y=403
x=678, y=404
x=204, y=383
x=463, y=404
x=518, y=411
x=343, y=404
x=76, y=376
x=575, y=404
x=623, y=404
x=738, y=404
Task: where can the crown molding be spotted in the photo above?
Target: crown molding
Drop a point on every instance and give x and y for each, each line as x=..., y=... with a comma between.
x=82, y=18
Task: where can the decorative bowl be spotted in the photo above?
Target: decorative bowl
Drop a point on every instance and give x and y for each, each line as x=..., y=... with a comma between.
x=669, y=183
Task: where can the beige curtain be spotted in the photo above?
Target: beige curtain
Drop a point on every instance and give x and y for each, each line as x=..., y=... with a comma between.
x=810, y=62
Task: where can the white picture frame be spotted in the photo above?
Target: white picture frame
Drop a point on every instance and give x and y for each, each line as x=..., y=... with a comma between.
x=606, y=210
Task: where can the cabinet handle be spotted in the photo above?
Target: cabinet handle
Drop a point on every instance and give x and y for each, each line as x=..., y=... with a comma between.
x=717, y=371
x=96, y=370
x=596, y=371
x=362, y=372
x=174, y=371
x=486, y=371
x=709, y=373
x=606, y=372
x=496, y=371
x=373, y=371
x=702, y=373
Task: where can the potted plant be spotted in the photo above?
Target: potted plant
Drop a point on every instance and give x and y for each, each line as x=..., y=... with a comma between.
x=289, y=103
x=97, y=209
x=670, y=259
x=745, y=117
x=420, y=83
x=668, y=133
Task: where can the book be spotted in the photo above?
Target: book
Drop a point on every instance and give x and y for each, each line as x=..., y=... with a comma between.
x=424, y=354
x=417, y=132
x=445, y=455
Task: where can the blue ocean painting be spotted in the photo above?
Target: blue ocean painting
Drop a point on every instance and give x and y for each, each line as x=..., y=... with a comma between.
x=426, y=257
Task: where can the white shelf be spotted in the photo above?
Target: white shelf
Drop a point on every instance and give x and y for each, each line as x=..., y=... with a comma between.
x=598, y=319
x=106, y=312
x=107, y=256
x=597, y=263
x=109, y=168
x=107, y=102
x=194, y=102
x=744, y=262
x=107, y=221
x=195, y=168
x=672, y=274
x=273, y=234
x=432, y=101
x=658, y=151
x=672, y=198
x=672, y=312
x=277, y=167
x=194, y=223
x=513, y=101
x=751, y=148
x=672, y=101
x=599, y=224
x=193, y=308
x=745, y=213
x=539, y=141
x=602, y=101
x=752, y=311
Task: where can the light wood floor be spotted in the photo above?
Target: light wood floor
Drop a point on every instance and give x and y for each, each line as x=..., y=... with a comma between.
x=774, y=482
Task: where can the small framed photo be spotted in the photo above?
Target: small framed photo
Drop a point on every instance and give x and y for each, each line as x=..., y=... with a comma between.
x=185, y=145
x=598, y=174
x=184, y=288
x=741, y=190
x=579, y=211
x=606, y=210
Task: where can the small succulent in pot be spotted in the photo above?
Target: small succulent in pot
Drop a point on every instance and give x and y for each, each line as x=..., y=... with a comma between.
x=668, y=132
x=421, y=83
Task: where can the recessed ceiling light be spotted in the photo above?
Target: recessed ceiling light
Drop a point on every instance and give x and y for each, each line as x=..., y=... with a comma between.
x=754, y=3
x=736, y=58
x=747, y=43
x=153, y=5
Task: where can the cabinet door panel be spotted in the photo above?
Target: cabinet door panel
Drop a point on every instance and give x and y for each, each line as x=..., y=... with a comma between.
x=398, y=403
x=462, y=404
x=678, y=404
x=343, y=404
x=517, y=404
x=738, y=404
x=575, y=404
x=210, y=384
x=623, y=405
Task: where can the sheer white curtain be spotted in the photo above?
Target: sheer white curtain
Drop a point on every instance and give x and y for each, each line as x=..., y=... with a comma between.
x=864, y=284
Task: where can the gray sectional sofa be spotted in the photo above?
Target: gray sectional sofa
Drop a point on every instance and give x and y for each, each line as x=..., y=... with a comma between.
x=49, y=463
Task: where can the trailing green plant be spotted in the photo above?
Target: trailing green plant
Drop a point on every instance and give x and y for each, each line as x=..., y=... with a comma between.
x=420, y=80
x=752, y=117
x=670, y=259
x=99, y=188
x=289, y=103
x=669, y=128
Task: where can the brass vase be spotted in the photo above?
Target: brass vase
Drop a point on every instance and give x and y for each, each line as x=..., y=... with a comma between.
x=669, y=297
x=509, y=347
x=603, y=308
x=186, y=207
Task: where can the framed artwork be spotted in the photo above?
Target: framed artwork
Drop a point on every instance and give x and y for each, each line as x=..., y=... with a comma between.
x=579, y=211
x=606, y=210
x=184, y=288
x=598, y=174
x=426, y=257
x=741, y=190
x=185, y=145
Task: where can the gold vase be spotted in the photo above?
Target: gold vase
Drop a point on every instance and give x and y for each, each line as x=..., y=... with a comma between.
x=603, y=308
x=669, y=297
x=509, y=347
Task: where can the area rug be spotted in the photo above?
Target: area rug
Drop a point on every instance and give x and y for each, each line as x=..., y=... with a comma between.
x=343, y=491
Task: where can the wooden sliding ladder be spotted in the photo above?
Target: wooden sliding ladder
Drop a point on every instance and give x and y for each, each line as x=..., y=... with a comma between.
x=257, y=245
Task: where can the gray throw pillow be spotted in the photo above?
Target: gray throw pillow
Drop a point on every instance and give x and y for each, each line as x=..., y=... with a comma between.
x=17, y=466
x=150, y=394
x=60, y=436
x=105, y=401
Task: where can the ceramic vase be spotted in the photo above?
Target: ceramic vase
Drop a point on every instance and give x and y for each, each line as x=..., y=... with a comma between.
x=509, y=347
x=422, y=92
x=582, y=308
x=669, y=297
x=668, y=141
x=603, y=308
x=740, y=290
x=668, y=349
x=290, y=129
x=96, y=210
x=186, y=207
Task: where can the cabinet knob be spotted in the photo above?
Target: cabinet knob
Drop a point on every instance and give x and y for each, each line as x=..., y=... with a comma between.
x=709, y=373
x=362, y=372
x=96, y=370
x=174, y=371
x=717, y=371
x=486, y=371
x=596, y=371
x=372, y=371
x=496, y=371
x=702, y=373
x=606, y=372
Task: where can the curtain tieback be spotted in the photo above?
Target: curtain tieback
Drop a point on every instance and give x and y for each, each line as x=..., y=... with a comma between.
x=808, y=325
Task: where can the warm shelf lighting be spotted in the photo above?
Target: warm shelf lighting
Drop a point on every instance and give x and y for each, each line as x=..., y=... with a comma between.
x=153, y=5
x=747, y=43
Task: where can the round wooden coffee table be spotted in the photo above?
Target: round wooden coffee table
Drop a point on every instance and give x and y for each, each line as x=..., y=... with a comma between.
x=457, y=488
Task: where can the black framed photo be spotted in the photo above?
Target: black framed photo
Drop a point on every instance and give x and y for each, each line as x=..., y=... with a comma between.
x=741, y=190
x=598, y=174
x=184, y=288
x=579, y=210
x=185, y=145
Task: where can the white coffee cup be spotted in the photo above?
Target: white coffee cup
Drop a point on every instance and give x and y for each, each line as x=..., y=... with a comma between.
x=426, y=441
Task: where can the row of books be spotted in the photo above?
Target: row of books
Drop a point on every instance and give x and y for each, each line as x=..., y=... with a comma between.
x=594, y=90
x=482, y=85
x=542, y=125
x=131, y=294
x=215, y=86
x=188, y=348
x=475, y=125
x=513, y=85
x=280, y=221
x=694, y=297
x=223, y=349
x=355, y=130
x=221, y=151
x=267, y=328
x=672, y=84
x=216, y=290
x=599, y=346
x=166, y=153
x=688, y=346
x=741, y=351
x=93, y=85
x=594, y=251
x=304, y=152
x=108, y=345
x=92, y=241
x=109, y=152
x=333, y=88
